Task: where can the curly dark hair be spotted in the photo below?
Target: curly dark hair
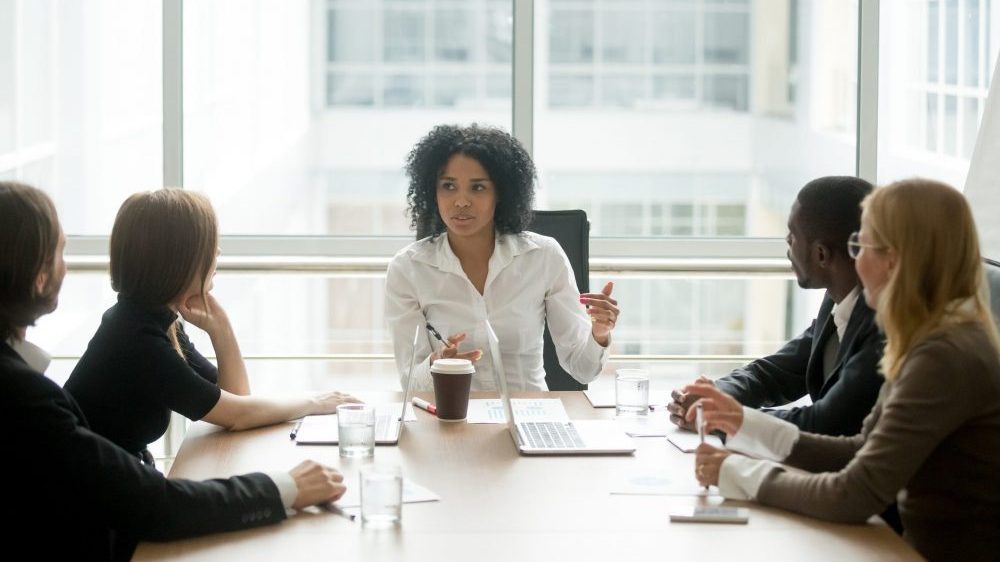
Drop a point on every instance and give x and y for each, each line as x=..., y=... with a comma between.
x=504, y=158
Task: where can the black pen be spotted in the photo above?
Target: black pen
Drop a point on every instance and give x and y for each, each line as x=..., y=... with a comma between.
x=335, y=509
x=295, y=430
x=437, y=335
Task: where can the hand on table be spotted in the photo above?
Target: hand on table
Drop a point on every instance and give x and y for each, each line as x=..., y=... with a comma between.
x=316, y=484
x=327, y=402
x=720, y=411
x=682, y=401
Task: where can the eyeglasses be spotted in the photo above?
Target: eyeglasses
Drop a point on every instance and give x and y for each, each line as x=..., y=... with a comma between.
x=854, y=246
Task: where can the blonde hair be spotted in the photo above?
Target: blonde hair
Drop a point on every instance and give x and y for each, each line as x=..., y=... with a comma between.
x=161, y=242
x=929, y=225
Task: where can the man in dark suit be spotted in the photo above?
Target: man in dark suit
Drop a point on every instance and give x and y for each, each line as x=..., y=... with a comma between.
x=835, y=361
x=70, y=493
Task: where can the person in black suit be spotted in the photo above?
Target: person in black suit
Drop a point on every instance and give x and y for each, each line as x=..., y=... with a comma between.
x=835, y=361
x=72, y=494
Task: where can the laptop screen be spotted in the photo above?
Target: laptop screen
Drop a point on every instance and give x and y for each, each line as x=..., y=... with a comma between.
x=500, y=377
x=409, y=374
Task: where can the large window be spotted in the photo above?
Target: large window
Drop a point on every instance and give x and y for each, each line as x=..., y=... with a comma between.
x=678, y=125
x=688, y=118
x=80, y=103
x=936, y=59
x=635, y=54
x=696, y=118
x=298, y=115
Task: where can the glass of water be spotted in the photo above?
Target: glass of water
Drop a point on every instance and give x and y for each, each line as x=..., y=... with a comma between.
x=632, y=392
x=381, y=495
x=356, y=430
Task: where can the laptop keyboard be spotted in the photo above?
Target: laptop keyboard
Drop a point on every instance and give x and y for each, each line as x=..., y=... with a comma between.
x=551, y=435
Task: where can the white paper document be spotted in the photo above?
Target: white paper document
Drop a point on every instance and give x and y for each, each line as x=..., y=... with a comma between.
x=687, y=441
x=412, y=493
x=525, y=410
x=662, y=485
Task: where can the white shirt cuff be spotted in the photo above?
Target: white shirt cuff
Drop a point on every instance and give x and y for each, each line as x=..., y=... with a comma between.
x=764, y=436
x=286, y=487
x=740, y=477
x=603, y=351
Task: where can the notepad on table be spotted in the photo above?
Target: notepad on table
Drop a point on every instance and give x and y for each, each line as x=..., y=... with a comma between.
x=687, y=441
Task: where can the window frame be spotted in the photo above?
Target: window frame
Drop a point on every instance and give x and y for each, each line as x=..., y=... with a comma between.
x=727, y=252
x=644, y=257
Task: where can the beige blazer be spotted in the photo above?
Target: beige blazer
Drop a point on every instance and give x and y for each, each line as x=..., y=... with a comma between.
x=932, y=441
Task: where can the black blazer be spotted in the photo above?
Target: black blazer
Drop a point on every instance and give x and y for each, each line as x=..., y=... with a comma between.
x=73, y=495
x=840, y=402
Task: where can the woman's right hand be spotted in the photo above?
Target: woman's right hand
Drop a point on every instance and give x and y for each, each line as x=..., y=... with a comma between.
x=316, y=484
x=720, y=411
x=708, y=464
x=205, y=313
x=327, y=402
x=450, y=351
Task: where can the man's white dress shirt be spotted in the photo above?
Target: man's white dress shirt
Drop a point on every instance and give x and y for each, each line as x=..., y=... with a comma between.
x=529, y=280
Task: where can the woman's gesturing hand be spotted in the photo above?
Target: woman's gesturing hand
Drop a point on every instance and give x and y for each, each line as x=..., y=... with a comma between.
x=603, y=311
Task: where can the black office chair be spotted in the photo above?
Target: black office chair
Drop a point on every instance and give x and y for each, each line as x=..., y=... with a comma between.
x=572, y=230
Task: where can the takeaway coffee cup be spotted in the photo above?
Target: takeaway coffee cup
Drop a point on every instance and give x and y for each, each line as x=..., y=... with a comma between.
x=452, y=380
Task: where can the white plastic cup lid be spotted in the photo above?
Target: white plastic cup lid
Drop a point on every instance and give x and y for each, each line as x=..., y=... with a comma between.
x=453, y=367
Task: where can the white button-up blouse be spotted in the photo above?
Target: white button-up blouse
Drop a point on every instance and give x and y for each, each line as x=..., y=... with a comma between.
x=529, y=281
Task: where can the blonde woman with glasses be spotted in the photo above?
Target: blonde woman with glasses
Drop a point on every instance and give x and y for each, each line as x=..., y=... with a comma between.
x=933, y=438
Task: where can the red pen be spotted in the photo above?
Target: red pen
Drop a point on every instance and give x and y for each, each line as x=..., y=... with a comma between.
x=425, y=405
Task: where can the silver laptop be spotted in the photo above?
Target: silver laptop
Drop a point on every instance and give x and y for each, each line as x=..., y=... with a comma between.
x=388, y=428
x=580, y=437
x=389, y=419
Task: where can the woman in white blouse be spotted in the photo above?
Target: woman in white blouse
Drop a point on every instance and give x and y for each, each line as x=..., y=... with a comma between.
x=472, y=189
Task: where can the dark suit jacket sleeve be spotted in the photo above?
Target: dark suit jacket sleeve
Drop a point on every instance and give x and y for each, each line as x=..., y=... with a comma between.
x=774, y=380
x=69, y=463
x=849, y=399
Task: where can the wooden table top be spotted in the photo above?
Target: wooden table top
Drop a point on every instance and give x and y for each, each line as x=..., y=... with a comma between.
x=498, y=505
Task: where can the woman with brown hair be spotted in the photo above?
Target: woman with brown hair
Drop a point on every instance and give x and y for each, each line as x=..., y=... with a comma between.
x=140, y=365
x=933, y=438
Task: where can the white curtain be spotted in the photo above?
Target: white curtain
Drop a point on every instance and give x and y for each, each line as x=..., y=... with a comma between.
x=982, y=186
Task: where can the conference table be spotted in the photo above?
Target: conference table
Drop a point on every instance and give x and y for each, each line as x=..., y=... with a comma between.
x=498, y=505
